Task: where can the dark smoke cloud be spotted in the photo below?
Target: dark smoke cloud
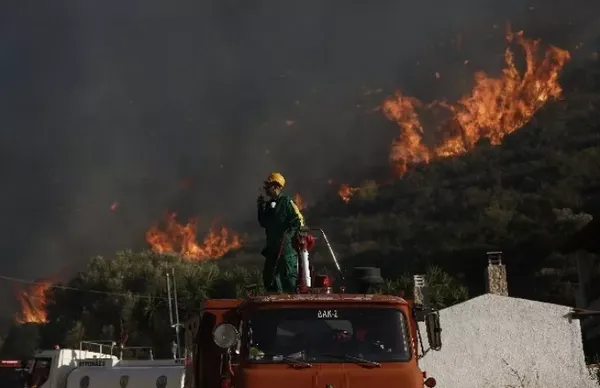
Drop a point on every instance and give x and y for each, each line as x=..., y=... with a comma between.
x=104, y=101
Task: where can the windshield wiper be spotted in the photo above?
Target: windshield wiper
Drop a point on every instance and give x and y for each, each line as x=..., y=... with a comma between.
x=353, y=358
x=289, y=360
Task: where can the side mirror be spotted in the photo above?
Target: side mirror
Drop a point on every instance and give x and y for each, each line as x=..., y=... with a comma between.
x=434, y=330
x=419, y=313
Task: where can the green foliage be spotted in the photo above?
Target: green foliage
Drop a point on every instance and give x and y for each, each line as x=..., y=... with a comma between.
x=22, y=341
x=125, y=297
x=442, y=289
x=367, y=191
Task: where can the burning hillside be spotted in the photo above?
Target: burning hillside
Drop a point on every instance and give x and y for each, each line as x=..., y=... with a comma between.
x=181, y=239
x=494, y=108
x=33, y=302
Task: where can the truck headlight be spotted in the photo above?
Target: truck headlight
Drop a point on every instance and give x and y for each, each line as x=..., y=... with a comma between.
x=226, y=336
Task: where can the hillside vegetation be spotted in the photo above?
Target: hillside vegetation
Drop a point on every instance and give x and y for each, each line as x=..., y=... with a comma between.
x=523, y=197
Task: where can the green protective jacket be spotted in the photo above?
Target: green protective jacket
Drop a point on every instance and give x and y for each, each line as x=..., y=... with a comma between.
x=281, y=219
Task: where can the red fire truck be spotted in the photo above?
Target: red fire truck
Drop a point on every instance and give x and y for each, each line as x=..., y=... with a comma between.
x=322, y=336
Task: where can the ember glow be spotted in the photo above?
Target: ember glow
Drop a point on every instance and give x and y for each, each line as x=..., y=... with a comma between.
x=299, y=201
x=494, y=108
x=181, y=239
x=346, y=192
x=33, y=303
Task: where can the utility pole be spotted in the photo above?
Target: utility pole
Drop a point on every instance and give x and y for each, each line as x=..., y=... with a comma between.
x=178, y=325
x=173, y=306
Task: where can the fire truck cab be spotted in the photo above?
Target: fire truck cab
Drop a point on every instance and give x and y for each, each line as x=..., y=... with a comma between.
x=317, y=337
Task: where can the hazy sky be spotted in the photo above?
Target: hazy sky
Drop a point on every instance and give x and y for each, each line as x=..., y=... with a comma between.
x=104, y=101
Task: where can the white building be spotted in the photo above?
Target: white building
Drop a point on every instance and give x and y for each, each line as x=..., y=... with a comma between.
x=498, y=341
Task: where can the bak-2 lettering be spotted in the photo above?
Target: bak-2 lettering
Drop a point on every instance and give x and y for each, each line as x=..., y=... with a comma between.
x=327, y=314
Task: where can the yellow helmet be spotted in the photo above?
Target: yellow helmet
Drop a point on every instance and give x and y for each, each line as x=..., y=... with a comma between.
x=276, y=177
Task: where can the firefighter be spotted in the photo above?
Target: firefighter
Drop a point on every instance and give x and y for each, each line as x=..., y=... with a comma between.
x=281, y=219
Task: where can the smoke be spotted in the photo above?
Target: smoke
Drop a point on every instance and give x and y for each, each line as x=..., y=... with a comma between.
x=130, y=102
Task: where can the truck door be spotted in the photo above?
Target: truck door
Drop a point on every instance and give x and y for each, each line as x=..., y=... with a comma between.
x=211, y=362
x=39, y=374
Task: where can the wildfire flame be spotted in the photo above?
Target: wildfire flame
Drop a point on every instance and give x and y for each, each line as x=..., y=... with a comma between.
x=181, y=239
x=33, y=303
x=494, y=108
x=299, y=201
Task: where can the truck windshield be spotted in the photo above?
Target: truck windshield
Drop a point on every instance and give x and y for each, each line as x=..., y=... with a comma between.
x=328, y=335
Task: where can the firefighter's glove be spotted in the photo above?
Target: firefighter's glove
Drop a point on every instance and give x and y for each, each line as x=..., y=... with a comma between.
x=260, y=201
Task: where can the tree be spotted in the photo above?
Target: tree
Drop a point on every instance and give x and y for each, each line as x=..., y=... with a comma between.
x=22, y=341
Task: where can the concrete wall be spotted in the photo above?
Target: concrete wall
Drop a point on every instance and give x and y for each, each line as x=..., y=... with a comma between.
x=498, y=341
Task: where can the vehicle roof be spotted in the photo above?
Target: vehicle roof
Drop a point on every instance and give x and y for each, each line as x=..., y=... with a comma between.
x=75, y=354
x=283, y=299
x=337, y=298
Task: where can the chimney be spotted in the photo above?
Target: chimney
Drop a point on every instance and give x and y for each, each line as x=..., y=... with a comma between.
x=496, y=275
x=419, y=292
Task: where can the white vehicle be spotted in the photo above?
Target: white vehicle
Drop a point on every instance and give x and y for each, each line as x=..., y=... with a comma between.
x=78, y=368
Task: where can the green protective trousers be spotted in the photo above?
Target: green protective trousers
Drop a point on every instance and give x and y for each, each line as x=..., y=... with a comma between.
x=281, y=275
x=281, y=219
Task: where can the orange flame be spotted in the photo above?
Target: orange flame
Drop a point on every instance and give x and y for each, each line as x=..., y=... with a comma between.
x=33, y=303
x=346, y=192
x=181, y=239
x=299, y=201
x=494, y=108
